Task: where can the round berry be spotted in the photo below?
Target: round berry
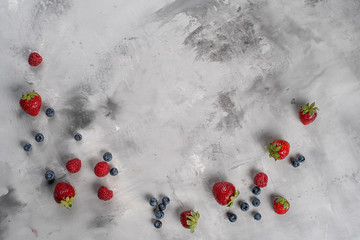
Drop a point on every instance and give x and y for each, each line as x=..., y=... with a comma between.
x=165, y=200
x=78, y=137
x=261, y=180
x=159, y=214
x=295, y=163
x=153, y=202
x=255, y=202
x=256, y=190
x=50, y=112
x=107, y=157
x=162, y=206
x=232, y=217
x=101, y=169
x=257, y=216
x=113, y=171
x=301, y=158
x=27, y=147
x=157, y=223
x=49, y=175
x=244, y=206
x=39, y=137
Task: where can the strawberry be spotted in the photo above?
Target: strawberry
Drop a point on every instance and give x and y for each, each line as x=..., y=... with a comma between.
x=101, y=169
x=34, y=59
x=281, y=205
x=73, y=165
x=261, y=180
x=189, y=219
x=308, y=113
x=31, y=103
x=278, y=149
x=64, y=194
x=104, y=193
x=225, y=193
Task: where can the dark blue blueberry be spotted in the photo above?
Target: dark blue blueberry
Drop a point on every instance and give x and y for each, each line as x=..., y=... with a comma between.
x=27, y=147
x=256, y=190
x=157, y=223
x=78, y=137
x=159, y=214
x=244, y=206
x=39, y=137
x=301, y=158
x=295, y=163
x=165, y=200
x=113, y=171
x=107, y=157
x=255, y=202
x=153, y=202
x=50, y=112
x=49, y=175
x=162, y=206
x=232, y=217
x=257, y=216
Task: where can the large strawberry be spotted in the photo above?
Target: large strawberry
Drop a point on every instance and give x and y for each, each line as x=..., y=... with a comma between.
x=225, y=193
x=278, y=149
x=308, y=113
x=281, y=205
x=64, y=194
x=189, y=219
x=31, y=103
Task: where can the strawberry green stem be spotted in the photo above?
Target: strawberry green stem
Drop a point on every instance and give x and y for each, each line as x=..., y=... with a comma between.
x=193, y=219
x=232, y=198
x=68, y=202
x=29, y=96
x=273, y=151
x=310, y=109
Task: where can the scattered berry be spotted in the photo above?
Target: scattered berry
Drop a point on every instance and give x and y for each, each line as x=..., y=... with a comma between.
x=189, y=219
x=244, y=206
x=256, y=190
x=107, y=157
x=73, y=165
x=50, y=112
x=261, y=180
x=257, y=216
x=34, y=59
x=308, y=113
x=39, y=137
x=162, y=206
x=301, y=158
x=255, y=202
x=232, y=217
x=31, y=103
x=27, y=147
x=104, y=193
x=278, y=149
x=49, y=175
x=78, y=137
x=157, y=224
x=225, y=193
x=101, y=169
x=165, y=200
x=159, y=214
x=295, y=163
x=64, y=194
x=113, y=171
x=281, y=205
x=153, y=202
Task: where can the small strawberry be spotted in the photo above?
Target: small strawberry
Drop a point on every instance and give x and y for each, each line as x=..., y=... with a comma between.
x=73, y=165
x=31, y=103
x=308, y=113
x=34, y=59
x=261, y=180
x=225, y=193
x=281, y=205
x=189, y=219
x=104, y=193
x=64, y=194
x=278, y=149
x=101, y=169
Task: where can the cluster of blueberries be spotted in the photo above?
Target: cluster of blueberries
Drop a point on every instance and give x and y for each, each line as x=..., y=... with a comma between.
x=245, y=206
x=107, y=158
x=159, y=209
x=296, y=162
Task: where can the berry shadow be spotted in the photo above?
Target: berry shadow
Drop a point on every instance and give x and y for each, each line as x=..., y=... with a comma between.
x=210, y=181
x=95, y=187
x=271, y=198
x=264, y=138
x=252, y=173
x=297, y=104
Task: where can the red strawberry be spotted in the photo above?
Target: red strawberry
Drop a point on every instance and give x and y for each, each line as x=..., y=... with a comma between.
x=278, y=149
x=261, y=180
x=73, y=165
x=31, y=103
x=104, y=193
x=101, y=169
x=64, y=194
x=225, y=193
x=281, y=205
x=35, y=59
x=308, y=113
x=189, y=219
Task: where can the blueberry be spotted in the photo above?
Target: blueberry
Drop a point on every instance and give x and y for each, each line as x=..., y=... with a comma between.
x=232, y=217
x=255, y=202
x=162, y=206
x=107, y=157
x=244, y=206
x=50, y=112
x=159, y=214
x=301, y=158
x=157, y=223
x=78, y=137
x=39, y=137
x=27, y=147
x=257, y=216
x=113, y=171
x=295, y=163
x=49, y=175
x=256, y=190
x=165, y=200
x=153, y=202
